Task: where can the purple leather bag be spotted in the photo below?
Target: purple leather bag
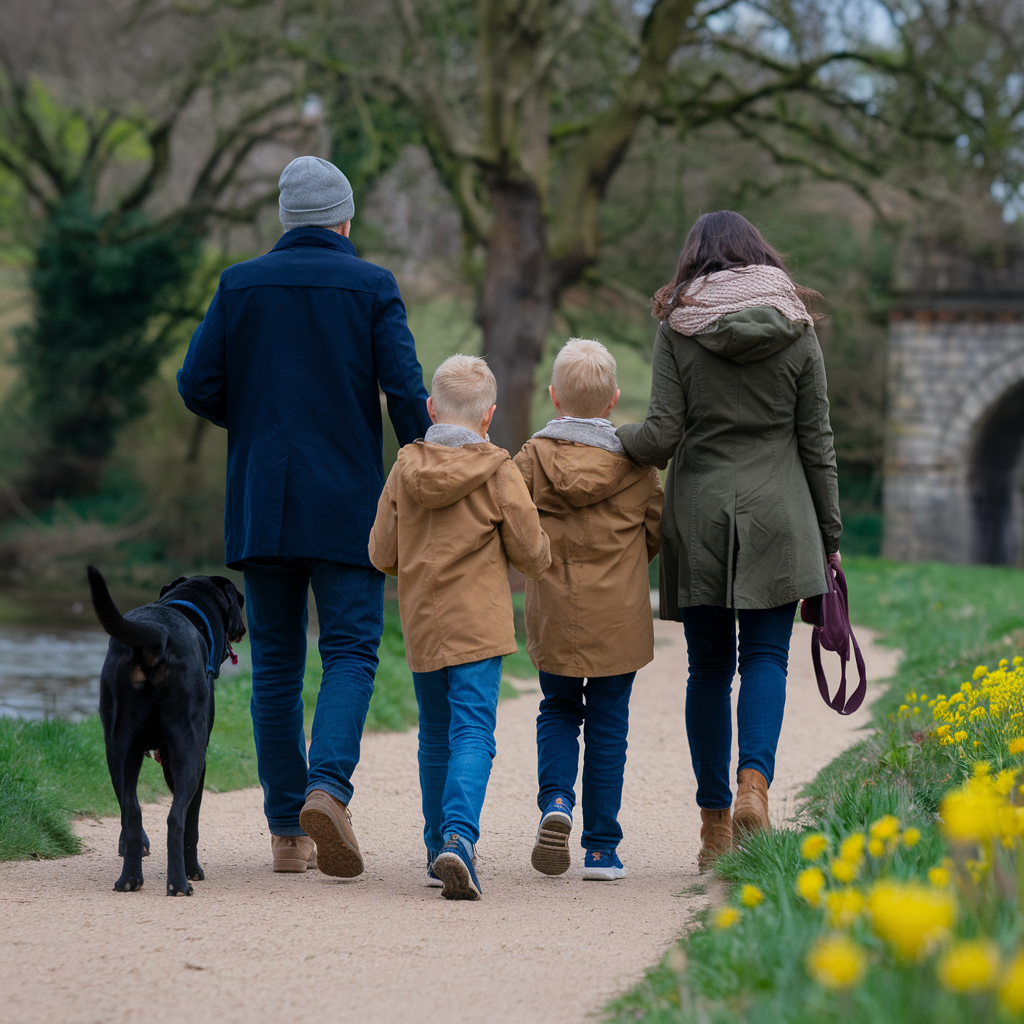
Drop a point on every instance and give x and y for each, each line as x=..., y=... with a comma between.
x=829, y=614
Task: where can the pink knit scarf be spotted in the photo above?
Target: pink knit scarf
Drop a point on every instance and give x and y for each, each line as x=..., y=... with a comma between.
x=729, y=291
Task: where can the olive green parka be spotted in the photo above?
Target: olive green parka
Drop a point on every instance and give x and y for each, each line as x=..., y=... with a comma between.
x=751, y=497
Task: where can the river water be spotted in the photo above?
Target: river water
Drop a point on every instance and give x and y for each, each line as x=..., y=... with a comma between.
x=48, y=674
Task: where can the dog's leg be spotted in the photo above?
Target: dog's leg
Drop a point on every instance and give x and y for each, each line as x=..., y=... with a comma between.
x=192, y=868
x=186, y=775
x=133, y=837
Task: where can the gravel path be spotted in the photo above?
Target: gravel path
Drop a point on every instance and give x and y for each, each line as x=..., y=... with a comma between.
x=252, y=946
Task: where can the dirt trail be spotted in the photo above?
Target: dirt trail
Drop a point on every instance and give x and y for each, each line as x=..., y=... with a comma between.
x=253, y=947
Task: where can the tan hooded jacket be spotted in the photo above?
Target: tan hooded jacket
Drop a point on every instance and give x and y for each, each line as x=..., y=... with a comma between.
x=590, y=613
x=448, y=523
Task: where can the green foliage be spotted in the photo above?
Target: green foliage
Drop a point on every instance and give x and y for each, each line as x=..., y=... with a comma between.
x=945, y=619
x=98, y=281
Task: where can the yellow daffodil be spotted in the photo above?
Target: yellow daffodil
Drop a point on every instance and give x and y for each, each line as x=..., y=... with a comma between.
x=844, y=871
x=911, y=917
x=885, y=828
x=1017, y=745
x=852, y=847
x=725, y=917
x=969, y=966
x=911, y=837
x=813, y=846
x=809, y=885
x=836, y=962
x=876, y=847
x=751, y=896
x=939, y=877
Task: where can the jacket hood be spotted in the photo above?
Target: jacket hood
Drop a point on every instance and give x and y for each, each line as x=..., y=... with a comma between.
x=438, y=476
x=585, y=475
x=751, y=334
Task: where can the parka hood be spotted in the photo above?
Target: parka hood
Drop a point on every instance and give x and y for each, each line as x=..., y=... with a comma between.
x=438, y=476
x=585, y=475
x=751, y=334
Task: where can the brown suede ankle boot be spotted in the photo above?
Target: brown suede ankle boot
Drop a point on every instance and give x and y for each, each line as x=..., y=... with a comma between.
x=750, y=813
x=715, y=837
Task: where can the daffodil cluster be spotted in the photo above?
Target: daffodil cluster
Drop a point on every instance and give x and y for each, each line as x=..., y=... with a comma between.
x=985, y=713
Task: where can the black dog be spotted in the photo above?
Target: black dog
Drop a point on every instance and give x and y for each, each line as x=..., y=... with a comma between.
x=156, y=693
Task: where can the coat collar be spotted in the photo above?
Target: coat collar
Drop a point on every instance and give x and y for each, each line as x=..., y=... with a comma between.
x=315, y=236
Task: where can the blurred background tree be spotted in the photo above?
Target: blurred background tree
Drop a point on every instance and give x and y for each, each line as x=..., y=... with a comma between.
x=529, y=170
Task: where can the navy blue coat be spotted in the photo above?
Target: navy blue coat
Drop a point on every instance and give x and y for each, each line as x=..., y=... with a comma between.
x=288, y=359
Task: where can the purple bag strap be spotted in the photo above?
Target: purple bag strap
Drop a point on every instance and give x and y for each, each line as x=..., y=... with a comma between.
x=839, y=594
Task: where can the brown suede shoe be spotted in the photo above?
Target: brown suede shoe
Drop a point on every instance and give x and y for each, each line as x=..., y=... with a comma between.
x=328, y=822
x=715, y=837
x=751, y=811
x=293, y=853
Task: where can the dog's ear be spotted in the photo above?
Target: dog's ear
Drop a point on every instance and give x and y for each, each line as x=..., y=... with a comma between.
x=170, y=586
x=232, y=602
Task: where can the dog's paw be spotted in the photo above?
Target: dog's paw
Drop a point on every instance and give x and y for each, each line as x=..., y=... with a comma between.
x=173, y=890
x=195, y=873
x=128, y=883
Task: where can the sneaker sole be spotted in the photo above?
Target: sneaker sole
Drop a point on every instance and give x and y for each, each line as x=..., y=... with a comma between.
x=551, y=850
x=458, y=883
x=334, y=855
x=434, y=883
x=603, y=874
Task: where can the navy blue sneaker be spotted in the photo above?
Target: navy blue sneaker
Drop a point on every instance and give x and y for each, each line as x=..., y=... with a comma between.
x=602, y=866
x=433, y=879
x=454, y=866
x=551, y=848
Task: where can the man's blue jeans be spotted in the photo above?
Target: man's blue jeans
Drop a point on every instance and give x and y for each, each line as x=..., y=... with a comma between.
x=458, y=712
x=601, y=706
x=763, y=663
x=350, y=607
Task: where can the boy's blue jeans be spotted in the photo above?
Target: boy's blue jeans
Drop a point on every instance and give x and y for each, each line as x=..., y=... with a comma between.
x=763, y=663
x=458, y=709
x=601, y=706
x=350, y=607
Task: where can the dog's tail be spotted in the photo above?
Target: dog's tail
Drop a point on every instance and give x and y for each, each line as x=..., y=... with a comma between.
x=134, y=634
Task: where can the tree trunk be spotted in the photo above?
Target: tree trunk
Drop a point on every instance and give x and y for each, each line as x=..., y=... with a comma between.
x=515, y=305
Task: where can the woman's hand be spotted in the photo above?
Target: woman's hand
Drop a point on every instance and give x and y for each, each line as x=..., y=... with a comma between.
x=834, y=560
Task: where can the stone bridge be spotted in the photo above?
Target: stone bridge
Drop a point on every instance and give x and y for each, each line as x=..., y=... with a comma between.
x=954, y=472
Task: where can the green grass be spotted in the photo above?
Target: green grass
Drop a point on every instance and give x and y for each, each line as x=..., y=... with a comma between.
x=945, y=619
x=51, y=772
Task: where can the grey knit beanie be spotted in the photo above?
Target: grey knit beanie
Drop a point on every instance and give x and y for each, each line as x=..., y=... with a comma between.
x=315, y=193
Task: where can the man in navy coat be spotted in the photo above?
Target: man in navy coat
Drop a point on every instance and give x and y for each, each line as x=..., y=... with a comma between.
x=291, y=359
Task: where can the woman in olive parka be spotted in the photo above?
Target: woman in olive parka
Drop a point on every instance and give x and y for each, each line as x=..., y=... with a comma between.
x=738, y=402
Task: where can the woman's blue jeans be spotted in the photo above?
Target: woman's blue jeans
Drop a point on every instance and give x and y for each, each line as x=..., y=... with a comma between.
x=458, y=709
x=601, y=706
x=350, y=607
x=763, y=662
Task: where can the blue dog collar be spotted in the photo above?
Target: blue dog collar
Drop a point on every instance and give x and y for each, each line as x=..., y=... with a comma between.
x=211, y=668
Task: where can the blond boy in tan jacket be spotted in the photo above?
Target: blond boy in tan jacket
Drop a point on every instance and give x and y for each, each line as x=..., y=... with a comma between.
x=453, y=514
x=588, y=618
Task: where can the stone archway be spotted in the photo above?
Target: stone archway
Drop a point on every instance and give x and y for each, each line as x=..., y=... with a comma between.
x=994, y=481
x=955, y=437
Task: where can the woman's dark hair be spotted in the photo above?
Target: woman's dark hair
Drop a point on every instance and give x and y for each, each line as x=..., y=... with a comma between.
x=722, y=240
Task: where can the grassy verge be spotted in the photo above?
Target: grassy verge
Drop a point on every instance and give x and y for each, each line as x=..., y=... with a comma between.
x=901, y=897
x=52, y=771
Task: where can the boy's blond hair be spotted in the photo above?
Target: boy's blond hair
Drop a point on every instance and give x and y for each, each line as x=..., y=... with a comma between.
x=584, y=378
x=463, y=390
